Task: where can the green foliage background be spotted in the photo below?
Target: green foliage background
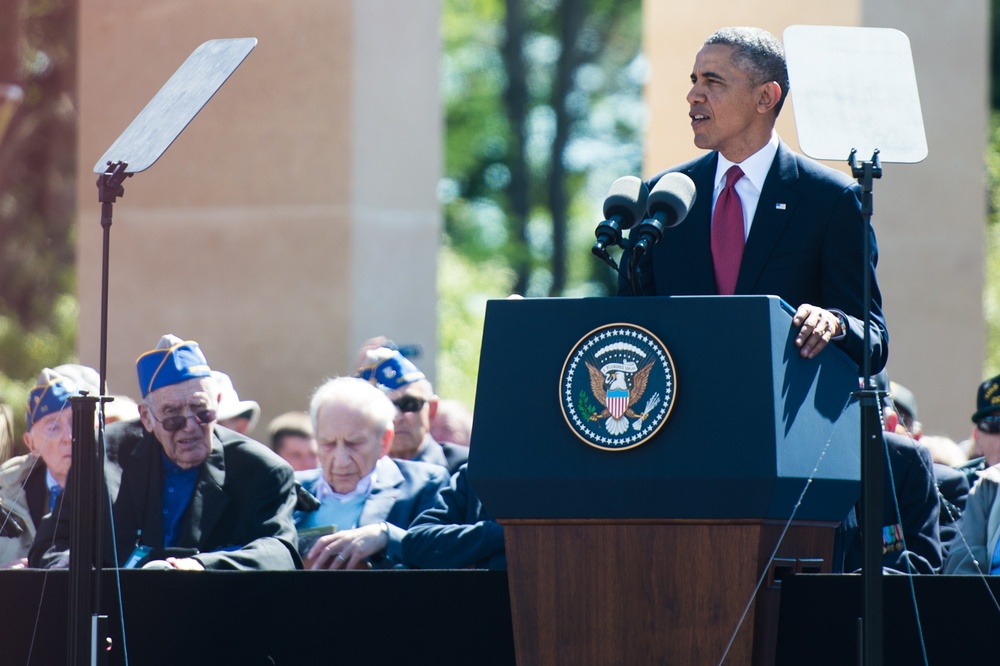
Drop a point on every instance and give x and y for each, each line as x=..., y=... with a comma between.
x=544, y=110
x=991, y=274
x=37, y=197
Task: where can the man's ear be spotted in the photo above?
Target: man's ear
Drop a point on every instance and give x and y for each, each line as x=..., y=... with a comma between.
x=768, y=95
x=387, y=437
x=145, y=417
x=29, y=442
x=433, y=402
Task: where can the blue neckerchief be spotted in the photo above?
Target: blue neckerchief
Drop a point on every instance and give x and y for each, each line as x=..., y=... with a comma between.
x=178, y=486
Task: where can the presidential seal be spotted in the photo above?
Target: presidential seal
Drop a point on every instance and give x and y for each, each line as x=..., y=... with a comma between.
x=617, y=387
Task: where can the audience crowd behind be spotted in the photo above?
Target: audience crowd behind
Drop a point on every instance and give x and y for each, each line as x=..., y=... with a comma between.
x=370, y=503
x=344, y=500
x=367, y=484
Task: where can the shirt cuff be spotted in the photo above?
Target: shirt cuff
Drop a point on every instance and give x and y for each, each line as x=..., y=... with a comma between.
x=844, y=323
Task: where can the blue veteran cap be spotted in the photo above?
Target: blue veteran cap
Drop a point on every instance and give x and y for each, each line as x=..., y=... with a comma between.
x=50, y=395
x=172, y=361
x=388, y=369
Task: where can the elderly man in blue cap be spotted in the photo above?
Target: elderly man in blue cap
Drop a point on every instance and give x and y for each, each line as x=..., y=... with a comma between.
x=413, y=396
x=186, y=494
x=30, y=484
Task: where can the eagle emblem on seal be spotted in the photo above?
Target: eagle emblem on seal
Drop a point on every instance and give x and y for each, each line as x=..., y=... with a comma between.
x=618, y=387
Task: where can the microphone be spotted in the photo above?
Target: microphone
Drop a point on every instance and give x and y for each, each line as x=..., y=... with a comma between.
x=667, y=206
x=623, y=207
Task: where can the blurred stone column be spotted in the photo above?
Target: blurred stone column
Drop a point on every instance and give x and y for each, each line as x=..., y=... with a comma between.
x=295, y=217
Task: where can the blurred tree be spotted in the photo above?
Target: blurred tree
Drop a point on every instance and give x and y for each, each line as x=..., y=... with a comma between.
x=540, y=97
x=37, y=193
x=544, y=110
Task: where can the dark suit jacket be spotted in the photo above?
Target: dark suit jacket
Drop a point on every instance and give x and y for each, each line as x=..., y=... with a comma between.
x=909, y=484
x=953, y=493
x=456, y=533
x=805, y=245
x=239, y=516
x=401, y=491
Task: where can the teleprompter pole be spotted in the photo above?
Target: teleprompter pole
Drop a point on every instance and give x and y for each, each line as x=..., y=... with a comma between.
x=872, y=446
x=87, y=642
x=88, y=636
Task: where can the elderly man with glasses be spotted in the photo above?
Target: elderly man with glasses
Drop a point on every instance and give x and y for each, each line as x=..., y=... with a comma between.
x=185, y=494
x=976, y=548
x=412, y=394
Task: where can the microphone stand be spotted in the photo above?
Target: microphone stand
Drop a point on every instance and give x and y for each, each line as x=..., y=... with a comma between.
x=631, y=269
x=870, y=625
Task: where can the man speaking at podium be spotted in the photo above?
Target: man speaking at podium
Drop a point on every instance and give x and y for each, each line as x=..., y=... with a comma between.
x=765, y=219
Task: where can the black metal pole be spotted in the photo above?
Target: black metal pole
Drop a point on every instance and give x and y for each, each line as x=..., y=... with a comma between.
x=109, y=187
x=82, y=537
x=872, y=446
x=87, y=639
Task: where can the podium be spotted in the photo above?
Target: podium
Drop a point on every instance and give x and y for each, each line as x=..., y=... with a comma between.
x=669, y=551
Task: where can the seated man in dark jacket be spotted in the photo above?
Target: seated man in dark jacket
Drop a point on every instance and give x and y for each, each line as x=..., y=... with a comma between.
x=185, y=493
x=911, y=540
x=456, y=533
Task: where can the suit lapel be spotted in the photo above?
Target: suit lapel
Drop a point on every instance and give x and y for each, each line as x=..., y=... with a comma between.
x=697, y=226
x=208, y=501
x=777, y=201
x=383, y=494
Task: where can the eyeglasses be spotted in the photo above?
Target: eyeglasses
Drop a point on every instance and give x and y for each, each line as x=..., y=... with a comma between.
x=989, y=424
x=178, y=421
x=409, y=403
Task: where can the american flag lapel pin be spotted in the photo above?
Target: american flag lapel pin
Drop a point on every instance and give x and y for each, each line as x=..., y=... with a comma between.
x=779, y=206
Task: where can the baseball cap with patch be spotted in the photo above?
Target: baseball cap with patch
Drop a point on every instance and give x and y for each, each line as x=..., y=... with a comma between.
x=987, y=399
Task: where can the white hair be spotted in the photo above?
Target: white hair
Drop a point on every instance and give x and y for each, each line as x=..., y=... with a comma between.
x=356, y=393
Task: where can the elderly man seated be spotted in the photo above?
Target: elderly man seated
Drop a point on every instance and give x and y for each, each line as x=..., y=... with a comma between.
x=184, y=493
x=30, y=484
x=368, y=498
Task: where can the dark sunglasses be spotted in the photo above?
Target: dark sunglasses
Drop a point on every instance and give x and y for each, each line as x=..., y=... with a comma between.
x=177, y=422
x=409, y=403
x=990, y=424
